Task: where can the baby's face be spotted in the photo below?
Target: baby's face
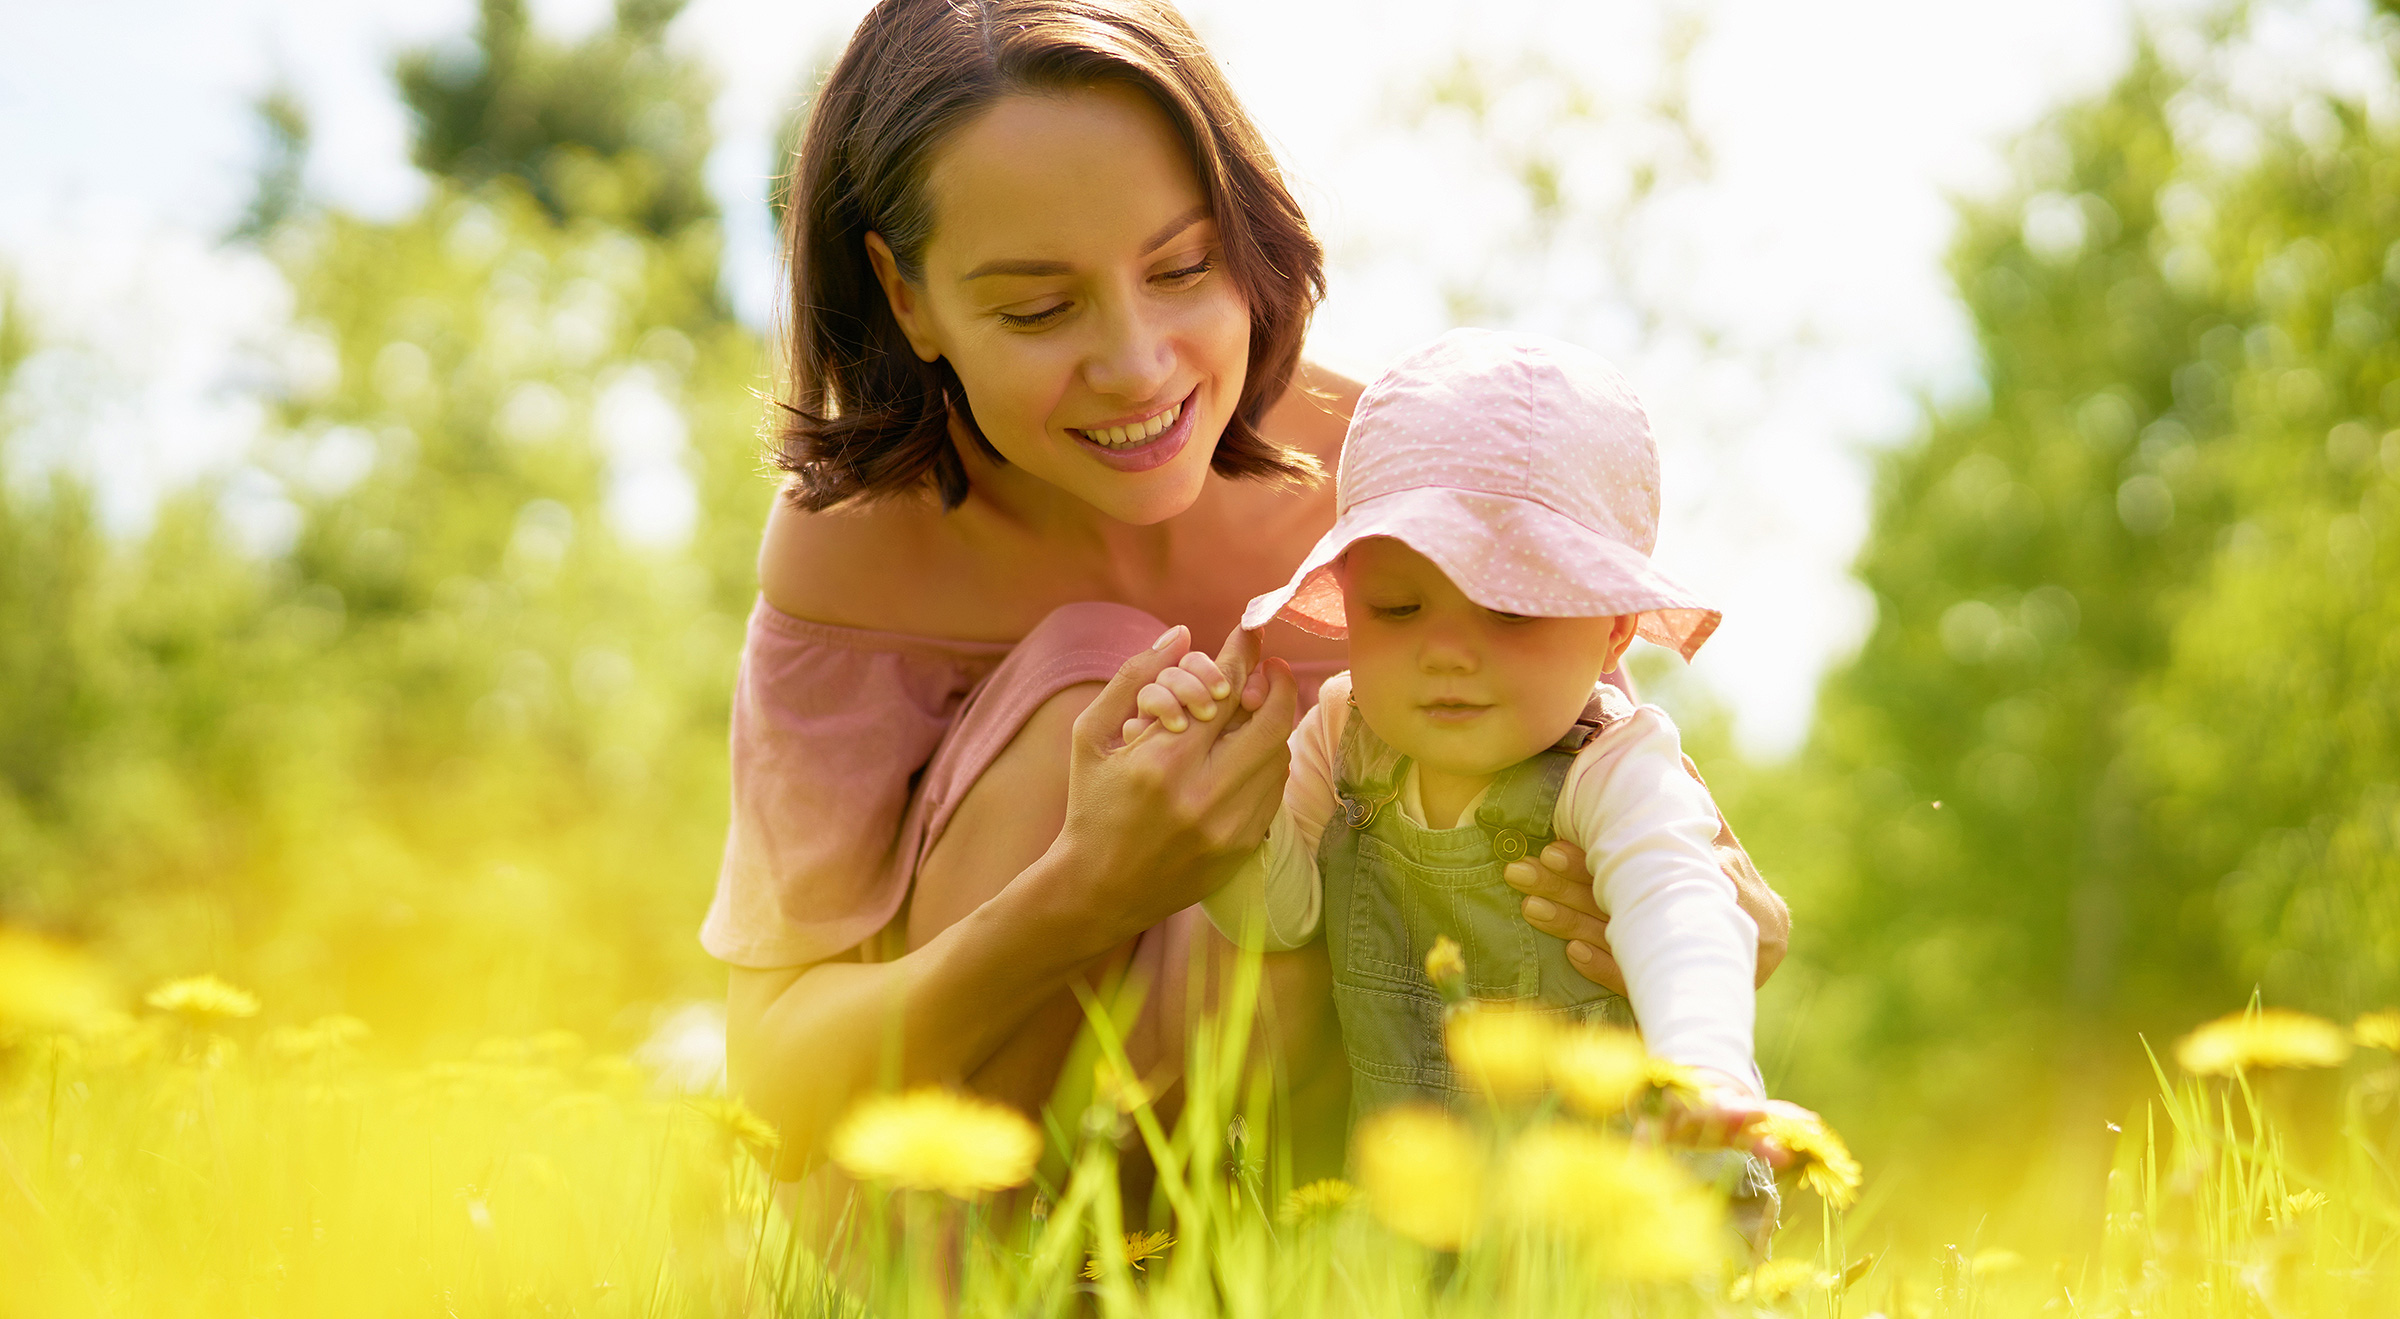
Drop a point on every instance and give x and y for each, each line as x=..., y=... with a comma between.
x=1461, y=688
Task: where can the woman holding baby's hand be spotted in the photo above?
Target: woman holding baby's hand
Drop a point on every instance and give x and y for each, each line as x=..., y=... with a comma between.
x=1044, y=399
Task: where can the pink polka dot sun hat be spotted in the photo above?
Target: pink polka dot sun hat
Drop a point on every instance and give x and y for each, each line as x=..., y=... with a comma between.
x=1523, y=467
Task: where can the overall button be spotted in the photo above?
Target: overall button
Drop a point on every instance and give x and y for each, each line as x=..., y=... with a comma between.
x=1357, y=812
x=1509, y=844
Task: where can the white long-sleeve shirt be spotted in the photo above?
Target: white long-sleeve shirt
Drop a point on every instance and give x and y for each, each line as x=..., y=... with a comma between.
x=1648, y=831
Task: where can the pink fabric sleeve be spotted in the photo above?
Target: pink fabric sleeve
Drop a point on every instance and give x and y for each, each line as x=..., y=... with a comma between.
x=830, y=727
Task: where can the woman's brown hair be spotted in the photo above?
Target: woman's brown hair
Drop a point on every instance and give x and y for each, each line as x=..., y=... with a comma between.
x=866, y=416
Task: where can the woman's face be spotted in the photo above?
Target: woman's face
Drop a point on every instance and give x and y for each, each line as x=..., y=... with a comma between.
x=1073, y=279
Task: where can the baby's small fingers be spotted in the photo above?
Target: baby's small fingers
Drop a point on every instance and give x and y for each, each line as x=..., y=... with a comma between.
x=1191, y=691
x=1205, y=668
x=1160, y=704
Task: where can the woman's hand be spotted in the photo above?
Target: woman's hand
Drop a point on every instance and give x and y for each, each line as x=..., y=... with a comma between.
x=1559, y=901
x=1156, y=822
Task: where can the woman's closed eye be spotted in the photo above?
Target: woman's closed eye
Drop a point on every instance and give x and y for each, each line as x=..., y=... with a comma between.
x=1027, y=320
x=1186, y=276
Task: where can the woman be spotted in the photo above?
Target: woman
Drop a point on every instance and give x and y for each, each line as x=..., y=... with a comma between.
x=1049, y=293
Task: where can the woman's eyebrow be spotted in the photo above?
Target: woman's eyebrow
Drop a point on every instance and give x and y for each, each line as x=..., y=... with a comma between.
x=1025, y=267
x=1175, y=226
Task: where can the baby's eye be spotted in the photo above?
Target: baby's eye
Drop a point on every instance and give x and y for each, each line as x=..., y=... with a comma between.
x=1391, y=611
x=1506, y=617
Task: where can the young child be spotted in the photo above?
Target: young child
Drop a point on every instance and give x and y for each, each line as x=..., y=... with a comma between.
x=1497, y=503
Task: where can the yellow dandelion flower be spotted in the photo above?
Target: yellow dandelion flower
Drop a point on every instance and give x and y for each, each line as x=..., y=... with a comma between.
x=1632, y=1211
x=2268, y=1037
x=201, y=999
x=48, y=986
x=1670, y=1078
x=1317, y=1199
x=2379, y=1030
x=1422, y=1172
x=1501, y=1053
x=2303, y=1202
x=1446, y=967
x=1819, y=1158
x=1778, y=1279
x=934, y=1140
x=1137, y=1250
x=1598, y=1070
x=737, y=1123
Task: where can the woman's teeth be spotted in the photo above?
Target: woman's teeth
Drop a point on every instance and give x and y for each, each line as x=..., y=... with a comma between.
x=1117, y=437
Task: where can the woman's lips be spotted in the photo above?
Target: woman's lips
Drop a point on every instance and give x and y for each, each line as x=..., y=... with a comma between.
x=1154, y=452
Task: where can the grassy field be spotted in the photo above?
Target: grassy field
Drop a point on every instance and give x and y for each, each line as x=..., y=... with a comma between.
x=204, y=1157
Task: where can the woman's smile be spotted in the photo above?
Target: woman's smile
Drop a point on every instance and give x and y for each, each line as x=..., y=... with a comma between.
x=1145, y=442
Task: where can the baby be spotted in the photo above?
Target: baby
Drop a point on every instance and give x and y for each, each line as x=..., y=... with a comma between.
x=1489, y=565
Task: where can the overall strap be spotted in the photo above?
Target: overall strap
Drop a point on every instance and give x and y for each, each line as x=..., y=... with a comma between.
x=1518, y=810
x=1370, y=772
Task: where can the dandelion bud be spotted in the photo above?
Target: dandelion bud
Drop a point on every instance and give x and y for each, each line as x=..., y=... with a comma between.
x=1446, y=967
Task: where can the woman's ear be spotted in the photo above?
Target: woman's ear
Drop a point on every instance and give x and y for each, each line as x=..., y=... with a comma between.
x=1620, y=636
x=906, y=301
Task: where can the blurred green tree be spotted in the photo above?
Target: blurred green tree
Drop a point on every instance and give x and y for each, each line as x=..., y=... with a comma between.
x=447, y=752
x=2121, y=744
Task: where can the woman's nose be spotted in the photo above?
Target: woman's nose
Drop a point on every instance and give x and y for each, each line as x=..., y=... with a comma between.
x=1134, y=359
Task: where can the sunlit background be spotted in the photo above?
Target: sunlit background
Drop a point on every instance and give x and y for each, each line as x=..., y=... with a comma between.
x=377, y=421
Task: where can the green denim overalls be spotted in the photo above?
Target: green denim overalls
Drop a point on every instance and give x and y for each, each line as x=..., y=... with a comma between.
x=1393, y=886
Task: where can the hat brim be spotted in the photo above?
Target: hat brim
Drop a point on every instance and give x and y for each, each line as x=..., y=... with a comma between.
x=1503, y=553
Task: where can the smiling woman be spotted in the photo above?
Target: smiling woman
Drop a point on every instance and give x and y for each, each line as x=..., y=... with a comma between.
x=1044, y=398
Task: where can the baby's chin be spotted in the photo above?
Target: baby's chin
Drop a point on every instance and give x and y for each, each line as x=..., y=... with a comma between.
x=1467, y=752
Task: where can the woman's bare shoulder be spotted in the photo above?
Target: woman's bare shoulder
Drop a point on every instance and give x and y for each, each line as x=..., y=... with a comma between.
x=850, y=565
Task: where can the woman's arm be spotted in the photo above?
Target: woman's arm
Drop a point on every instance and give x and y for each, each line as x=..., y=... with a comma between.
x=1149, y=828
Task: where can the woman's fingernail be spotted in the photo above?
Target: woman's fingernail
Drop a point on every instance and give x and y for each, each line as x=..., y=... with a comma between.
x=1540, y=909
x=1164, y=637
x=1579, y=950
x=1517, y=873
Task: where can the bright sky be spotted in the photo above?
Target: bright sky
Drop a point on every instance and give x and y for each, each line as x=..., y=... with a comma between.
x=1838, y=130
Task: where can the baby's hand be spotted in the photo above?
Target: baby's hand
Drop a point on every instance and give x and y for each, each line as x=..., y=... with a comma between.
x=1199, y=687
x=1719, y=1112
x=1194, y=689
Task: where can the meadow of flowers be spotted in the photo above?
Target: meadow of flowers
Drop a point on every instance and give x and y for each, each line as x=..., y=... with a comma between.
x=193, y=1154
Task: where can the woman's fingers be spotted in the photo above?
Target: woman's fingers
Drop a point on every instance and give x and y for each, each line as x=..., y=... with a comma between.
x=1264, y=736
x=1559, y=901
x=1237, y=662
